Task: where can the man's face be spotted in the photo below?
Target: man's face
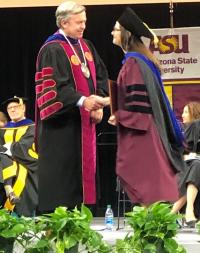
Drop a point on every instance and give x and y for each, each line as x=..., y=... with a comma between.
x=75, y=25
x=16, y=111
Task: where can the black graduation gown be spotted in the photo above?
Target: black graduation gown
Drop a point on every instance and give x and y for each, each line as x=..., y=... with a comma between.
x=22, y=166
x=59, y=136
x=192, y=172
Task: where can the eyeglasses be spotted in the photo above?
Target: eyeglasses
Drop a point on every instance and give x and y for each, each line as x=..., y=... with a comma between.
x=13, y=107
x=116, y=29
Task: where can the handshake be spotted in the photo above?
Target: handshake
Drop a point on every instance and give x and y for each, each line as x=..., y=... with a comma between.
x=94, y=102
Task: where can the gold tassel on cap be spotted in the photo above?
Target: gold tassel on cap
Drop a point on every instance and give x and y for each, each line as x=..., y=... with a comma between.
x=155, y=38
x=20, y=100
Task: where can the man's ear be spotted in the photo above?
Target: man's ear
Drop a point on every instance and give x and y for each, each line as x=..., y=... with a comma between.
x=24, y=108
x=63, y=23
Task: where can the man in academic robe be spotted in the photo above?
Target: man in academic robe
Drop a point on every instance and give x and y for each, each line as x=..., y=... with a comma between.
x=71, y=81
x=18, y=160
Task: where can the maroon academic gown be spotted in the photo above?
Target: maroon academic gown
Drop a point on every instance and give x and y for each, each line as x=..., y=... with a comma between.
x=142, y=164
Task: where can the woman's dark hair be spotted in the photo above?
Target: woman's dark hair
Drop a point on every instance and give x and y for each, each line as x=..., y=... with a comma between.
x=131, y=43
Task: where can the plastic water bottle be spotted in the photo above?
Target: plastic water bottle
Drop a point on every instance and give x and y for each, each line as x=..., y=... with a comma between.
x=109, y=218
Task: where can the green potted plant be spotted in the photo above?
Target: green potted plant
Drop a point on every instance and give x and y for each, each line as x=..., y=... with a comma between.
x=198, y=226
x=8, y=224
x=60, y=231
x=154, y=230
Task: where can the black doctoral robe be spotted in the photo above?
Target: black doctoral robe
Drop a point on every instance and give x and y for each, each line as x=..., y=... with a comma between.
x=21, y=166
x=60, y=134
x=192, y=172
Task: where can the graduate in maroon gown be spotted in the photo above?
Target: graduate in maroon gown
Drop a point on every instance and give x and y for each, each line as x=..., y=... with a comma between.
x=71, y=80
x=149, y=138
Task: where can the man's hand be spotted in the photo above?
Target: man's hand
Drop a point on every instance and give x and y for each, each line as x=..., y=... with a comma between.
x=96, y=116
x=106, y=101
x=93, y=102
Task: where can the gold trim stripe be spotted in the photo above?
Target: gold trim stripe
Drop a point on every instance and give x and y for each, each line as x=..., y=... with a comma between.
x=20, y=132
x=18, y=186
x=10, y=171
x=181, y=82
x=20, y=182
x=8, y=136
x=32, y=152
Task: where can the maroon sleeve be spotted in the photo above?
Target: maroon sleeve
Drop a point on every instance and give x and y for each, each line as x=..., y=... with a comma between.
x=134, y=109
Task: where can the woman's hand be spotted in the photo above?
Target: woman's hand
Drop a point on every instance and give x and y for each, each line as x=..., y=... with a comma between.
x=112, y=120
x=190, y=156
x=96, y=115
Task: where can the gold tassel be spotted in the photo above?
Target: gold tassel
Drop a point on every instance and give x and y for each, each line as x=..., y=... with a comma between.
x=20, y=100
x=155, y=38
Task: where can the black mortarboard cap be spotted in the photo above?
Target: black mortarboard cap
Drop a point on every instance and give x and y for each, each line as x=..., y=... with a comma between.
x=19, y=100
x=131, y=22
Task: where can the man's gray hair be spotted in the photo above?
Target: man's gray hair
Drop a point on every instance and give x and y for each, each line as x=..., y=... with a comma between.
x=66, y=10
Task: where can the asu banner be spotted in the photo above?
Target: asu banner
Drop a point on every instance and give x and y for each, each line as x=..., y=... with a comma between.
x=179, y=53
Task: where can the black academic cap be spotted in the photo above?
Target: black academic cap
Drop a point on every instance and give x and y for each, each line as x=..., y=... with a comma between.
x=19, y=100
x=131, y=22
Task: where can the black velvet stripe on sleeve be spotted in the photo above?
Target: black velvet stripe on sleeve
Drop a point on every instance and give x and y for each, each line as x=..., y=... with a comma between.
x=138, y=98
x=138, y=108
x=135, y=87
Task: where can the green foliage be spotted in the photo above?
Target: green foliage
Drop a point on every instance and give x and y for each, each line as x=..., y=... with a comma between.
x=154, y=231
x=58, y=231
x=198, y=226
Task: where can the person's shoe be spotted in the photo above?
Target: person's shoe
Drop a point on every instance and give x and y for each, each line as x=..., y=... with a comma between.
x=179, y=222
x=191, y=223
x=13, y=198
